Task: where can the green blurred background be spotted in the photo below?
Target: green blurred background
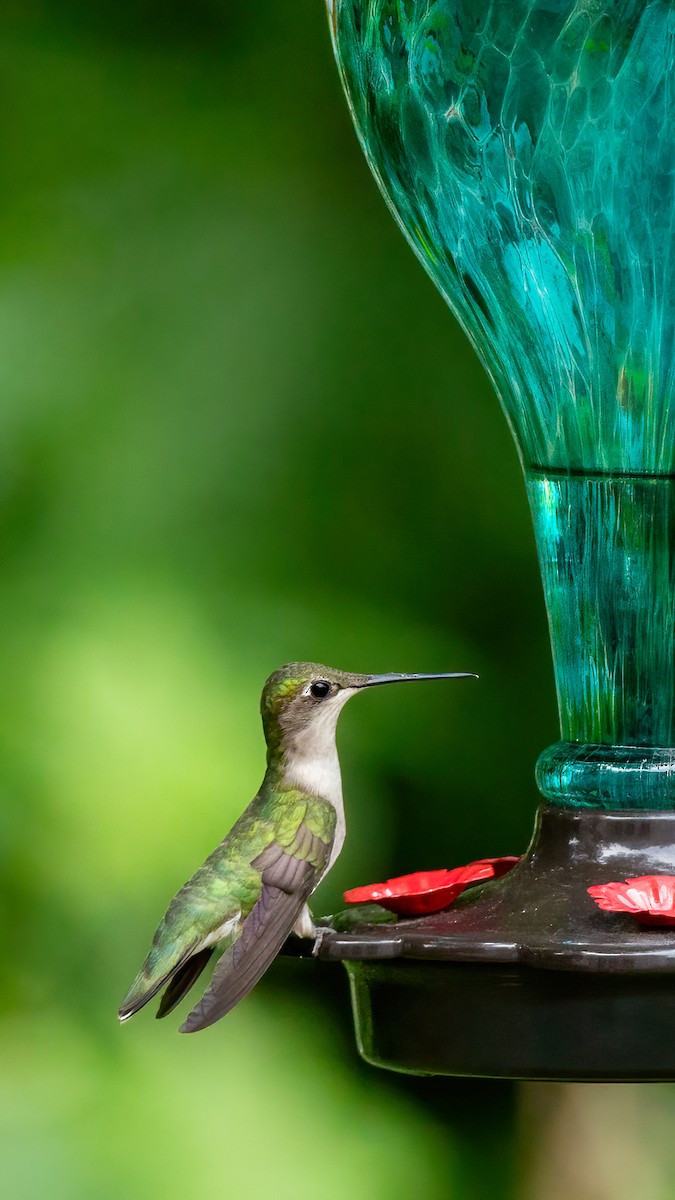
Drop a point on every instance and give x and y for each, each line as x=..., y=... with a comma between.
x=239, y=427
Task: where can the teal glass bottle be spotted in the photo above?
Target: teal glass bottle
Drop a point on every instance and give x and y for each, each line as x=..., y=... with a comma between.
x=527, y=150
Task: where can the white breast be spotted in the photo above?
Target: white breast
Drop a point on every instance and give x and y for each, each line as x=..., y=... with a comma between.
x=317, y=776
x=312, y=765
x=320, y=776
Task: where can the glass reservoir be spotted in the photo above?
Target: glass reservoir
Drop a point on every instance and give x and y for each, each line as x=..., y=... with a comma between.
x=527, y=150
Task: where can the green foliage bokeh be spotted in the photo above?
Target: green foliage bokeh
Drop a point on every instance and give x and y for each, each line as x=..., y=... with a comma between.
x=238, y=427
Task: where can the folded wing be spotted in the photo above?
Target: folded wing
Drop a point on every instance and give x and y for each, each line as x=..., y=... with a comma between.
x=289, y=876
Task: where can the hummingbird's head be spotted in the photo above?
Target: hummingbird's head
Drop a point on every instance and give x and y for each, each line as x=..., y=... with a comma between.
x=303, y=696
x=301, y=703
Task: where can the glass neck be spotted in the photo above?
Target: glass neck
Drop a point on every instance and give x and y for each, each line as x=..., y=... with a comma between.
x=606, y=546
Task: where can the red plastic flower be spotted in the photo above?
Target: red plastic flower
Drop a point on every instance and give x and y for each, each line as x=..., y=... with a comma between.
x=650, y=899
x=428, y=891
x=500, y=866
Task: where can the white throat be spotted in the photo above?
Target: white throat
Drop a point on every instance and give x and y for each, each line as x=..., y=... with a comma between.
x=312, y=764
x=317, y=776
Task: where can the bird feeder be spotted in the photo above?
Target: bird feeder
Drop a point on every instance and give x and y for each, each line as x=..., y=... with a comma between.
x=527, y=152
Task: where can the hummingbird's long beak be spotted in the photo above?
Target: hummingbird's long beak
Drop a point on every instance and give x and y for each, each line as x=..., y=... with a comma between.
x=394, y=677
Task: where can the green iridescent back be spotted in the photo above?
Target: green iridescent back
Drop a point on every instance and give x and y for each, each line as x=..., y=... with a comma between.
x=527, y=151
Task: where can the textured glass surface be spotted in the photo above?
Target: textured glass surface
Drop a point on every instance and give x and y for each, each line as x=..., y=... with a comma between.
x=527, y=151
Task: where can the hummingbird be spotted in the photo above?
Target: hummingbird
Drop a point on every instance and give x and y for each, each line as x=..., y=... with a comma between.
x=252, y=891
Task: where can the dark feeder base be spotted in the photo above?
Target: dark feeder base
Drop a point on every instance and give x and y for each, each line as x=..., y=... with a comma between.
x=524, y=977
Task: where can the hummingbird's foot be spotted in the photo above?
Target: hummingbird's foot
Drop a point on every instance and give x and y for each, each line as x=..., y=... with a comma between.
x=320, y=932
x=304, y=926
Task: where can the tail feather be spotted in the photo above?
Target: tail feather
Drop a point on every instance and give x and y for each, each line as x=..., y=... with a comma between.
x=239, y=969
x=148, y=983
x=139, y=996
x=182, y=980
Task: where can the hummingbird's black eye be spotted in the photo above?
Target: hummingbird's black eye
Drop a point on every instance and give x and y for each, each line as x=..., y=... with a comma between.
x=320, y=689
